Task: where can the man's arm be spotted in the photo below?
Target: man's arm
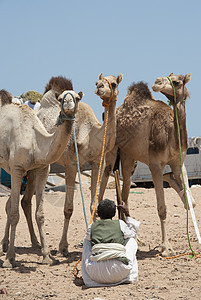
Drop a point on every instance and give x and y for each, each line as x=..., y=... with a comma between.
x=124, y=209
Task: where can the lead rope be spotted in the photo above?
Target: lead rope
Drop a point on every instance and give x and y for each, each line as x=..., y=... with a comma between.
x=106, y=105
x=61, y=119
x=79, y=175
x=192, y=254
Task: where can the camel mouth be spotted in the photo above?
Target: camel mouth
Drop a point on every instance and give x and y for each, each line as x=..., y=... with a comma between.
x=156, y=87
x=99, y=92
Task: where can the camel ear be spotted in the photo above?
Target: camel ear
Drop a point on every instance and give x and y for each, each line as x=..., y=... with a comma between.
x=81, y=94
x=170, y=74
x=119, y=78
x=57, y=95
x=187, y=78
x=101, y=76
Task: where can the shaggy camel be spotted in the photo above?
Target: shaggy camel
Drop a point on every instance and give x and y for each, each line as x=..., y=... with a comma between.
x=26, y=145
x=147, y=132
x=5, y=98
x=89, y=135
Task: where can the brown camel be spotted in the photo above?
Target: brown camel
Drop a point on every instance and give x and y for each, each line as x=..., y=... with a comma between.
x=26, y=145
x=147, y=132
x=89, y=136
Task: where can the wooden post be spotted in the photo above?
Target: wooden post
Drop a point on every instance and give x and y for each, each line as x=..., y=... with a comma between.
x=118, y=191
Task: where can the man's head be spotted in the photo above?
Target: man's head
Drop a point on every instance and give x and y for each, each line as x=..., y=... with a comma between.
x=106, y=209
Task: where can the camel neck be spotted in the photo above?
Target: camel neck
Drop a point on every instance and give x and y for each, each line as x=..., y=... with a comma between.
x=59, y=141
x=179, y=109
x=111, y=126
x=111, y=112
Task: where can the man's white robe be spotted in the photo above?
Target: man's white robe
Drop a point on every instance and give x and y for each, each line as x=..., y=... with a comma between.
x=112, y=271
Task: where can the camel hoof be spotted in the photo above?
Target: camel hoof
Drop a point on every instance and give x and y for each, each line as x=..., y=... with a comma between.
x=168, y=253
x=64, y=252
x=9, y=263
x=46, y=260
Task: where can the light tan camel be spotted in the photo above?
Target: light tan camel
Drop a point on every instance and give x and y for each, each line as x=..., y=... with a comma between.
x=89, y=135
x=26, y=145
x=147, y=132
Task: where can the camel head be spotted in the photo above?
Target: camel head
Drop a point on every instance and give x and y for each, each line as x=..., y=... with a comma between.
x=163, y=85
x=107, y=88
x=5, y=97
x=69, y=101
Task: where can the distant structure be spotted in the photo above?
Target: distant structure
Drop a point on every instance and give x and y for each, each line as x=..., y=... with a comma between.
x=17, y=100
x=142, y=175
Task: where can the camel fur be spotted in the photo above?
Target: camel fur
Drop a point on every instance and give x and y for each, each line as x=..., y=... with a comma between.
x=147, y=132
x=25, y=145
x=89, y=136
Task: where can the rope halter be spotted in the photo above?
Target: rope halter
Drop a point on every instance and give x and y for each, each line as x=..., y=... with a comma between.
x=105, y=104
x=63, y=116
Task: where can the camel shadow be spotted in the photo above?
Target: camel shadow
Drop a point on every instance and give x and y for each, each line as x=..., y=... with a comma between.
x=141, y=255
x=20, y=267
x=28, y=250
x=70, y=258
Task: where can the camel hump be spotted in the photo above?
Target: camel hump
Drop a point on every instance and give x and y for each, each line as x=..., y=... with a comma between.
x=5, y=97
x=141, y=90
x=59, y=84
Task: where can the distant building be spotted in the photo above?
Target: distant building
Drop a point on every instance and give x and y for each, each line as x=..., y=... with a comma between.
x=192, y=163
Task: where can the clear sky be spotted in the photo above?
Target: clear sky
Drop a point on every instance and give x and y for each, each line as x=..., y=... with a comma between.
x=80, y=39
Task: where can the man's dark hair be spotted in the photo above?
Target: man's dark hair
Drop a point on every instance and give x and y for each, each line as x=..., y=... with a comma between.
x=106, y=209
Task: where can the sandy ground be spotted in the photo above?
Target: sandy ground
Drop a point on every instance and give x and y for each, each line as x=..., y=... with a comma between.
x=159, y=278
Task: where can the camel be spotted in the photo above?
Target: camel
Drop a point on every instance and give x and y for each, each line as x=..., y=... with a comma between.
x=5, y=98
x=26, y=145
x=147, y=132
x=89, y=136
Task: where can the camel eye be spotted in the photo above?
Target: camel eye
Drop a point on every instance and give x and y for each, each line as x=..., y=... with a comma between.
x=113, y=85
x=175, y=83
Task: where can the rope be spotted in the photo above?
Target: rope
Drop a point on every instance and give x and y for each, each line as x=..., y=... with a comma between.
x=63, y=116
x=181, y=163
x=178, y=255
x=106, y=105
x=79, y=174
x=100, y=165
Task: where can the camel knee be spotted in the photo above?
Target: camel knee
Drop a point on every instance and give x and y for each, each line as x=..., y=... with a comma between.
x=25, y=204
x=7, y=208
x=162, y=213
x=107, y=170
x=40, y=219
x=68, y=214
x=14, y=218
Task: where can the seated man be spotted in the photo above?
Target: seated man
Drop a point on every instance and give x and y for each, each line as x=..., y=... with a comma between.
x=109, y=248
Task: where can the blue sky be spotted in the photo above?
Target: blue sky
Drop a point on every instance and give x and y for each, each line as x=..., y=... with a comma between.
x=80, y=39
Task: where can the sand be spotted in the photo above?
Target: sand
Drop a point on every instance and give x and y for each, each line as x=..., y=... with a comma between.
x=159, y=278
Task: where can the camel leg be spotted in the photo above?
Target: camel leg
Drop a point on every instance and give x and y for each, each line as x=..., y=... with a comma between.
x=26, y=206
x=41, y=178
x=70, y=173
x=128, y=166
x=110, y=159
x=5, y=240
x=13, y=216
x=175, y=181
x=157, y=176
